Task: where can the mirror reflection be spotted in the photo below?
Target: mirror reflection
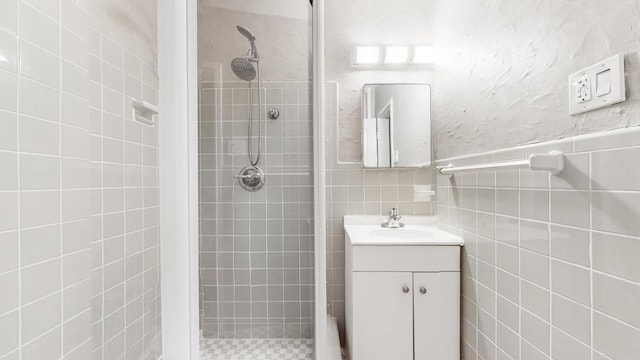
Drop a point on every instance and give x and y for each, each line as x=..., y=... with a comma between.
x=396, y=125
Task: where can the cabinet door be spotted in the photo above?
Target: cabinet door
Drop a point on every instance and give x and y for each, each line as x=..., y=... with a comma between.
x=382, y=316
x=437, y=316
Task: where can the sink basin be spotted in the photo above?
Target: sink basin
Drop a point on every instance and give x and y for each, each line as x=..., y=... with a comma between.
x=418, y=230
x=402, y=233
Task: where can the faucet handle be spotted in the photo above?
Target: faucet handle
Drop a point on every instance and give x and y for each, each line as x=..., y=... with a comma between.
x=394, y=219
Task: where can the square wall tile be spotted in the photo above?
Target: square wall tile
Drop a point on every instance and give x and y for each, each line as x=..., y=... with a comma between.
x=565, y=253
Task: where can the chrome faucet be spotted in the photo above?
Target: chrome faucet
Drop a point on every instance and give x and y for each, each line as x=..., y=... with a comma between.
x=394, y=219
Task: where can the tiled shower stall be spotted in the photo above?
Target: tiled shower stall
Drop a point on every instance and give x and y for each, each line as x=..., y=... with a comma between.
x=256, y=248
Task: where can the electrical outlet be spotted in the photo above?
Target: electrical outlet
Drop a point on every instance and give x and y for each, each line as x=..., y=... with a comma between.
x=597, y=86
x=583, y=89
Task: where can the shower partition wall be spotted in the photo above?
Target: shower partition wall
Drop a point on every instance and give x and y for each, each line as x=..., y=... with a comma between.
x=256, y=248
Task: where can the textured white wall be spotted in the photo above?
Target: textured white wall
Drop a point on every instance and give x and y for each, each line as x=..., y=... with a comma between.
x=502, y=79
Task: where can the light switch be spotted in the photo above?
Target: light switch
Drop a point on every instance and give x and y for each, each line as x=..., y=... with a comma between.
x=597, y=86
x=603, y=83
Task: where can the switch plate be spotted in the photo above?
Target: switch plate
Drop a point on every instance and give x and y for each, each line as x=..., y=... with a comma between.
x=603, y=83
x=597, y=86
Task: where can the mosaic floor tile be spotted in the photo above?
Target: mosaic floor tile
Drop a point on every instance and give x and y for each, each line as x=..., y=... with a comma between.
x=256, y=349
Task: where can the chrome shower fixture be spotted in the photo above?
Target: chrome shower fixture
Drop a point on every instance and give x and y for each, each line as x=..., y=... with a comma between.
x=253, y=53
x=242, y=66
x=243, y=69
x=251, y=177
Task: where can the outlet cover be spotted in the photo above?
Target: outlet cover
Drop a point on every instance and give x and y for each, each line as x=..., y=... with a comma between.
x=597, y=86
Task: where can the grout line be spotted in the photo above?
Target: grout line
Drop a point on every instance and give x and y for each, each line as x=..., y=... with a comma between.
x=79, y=346
x=124, y=204
x=44, y=334
x=550, y=212
x=535, y=347
x=591, y=290
x=60, y=181
x=102, y=201
x=19, y=188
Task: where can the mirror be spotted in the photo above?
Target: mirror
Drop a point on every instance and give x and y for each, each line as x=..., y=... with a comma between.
x=396, y=125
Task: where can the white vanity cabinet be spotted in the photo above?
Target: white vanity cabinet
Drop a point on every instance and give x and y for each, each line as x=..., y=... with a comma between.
x=436, y=313
x=382, y=316
x=402, y=301
x=397, y=314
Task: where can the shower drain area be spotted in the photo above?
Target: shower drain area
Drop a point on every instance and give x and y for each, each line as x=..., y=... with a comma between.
x=256, y=349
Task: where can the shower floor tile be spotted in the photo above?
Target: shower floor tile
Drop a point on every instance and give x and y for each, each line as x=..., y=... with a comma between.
x=256, y=349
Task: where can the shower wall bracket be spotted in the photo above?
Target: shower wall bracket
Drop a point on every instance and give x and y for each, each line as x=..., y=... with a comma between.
x=273, y=113
x=144, y=112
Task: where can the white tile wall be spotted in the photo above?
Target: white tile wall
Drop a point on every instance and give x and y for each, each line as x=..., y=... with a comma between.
x=44, y=277
x=124, y=172
x=550, y=262
x=51, y=189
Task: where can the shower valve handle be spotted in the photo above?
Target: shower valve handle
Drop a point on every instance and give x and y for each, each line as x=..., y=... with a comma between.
x=252, y=176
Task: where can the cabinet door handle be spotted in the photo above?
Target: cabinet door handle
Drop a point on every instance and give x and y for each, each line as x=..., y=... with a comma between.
x=423, y=290
x=405, y=289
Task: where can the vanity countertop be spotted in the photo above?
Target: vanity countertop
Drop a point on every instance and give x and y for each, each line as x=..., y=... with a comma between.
x=418, y=231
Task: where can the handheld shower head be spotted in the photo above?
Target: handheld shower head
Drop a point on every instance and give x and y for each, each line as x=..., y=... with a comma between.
x=246, y=32
x=252, y=39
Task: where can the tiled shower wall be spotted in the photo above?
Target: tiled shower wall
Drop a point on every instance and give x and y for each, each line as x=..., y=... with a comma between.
x=352, y=190
x=53, y=156
x=125, y=264
x=550, y=262
x=256, y=250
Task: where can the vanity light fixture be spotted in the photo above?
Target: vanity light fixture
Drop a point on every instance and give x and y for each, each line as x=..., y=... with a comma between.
x=366, y=55
x=393, y=55
x=396, y=55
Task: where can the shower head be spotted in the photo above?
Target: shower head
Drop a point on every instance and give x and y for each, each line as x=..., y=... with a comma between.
x=252, y=39
x=246, y=32
x=243, y=68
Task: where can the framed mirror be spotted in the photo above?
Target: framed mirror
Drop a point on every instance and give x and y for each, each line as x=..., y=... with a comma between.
x=396, y=125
